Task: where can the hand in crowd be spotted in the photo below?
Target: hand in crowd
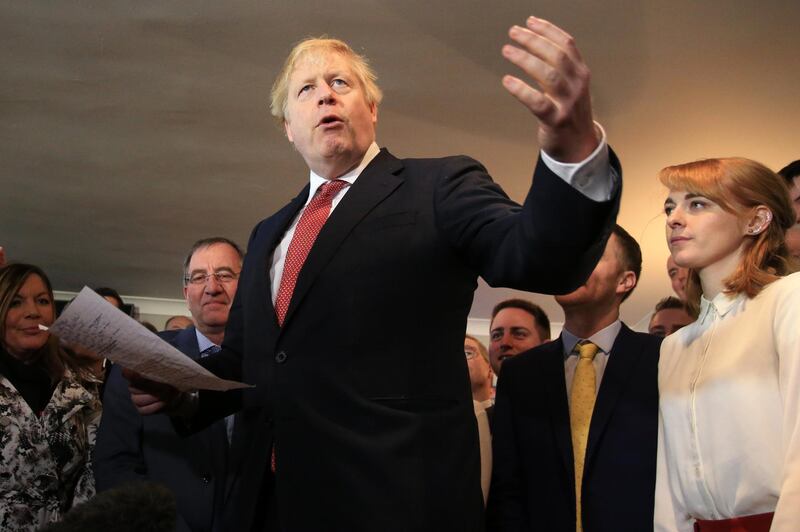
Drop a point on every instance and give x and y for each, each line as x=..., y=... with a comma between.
x=563, y=103
x=150, y=397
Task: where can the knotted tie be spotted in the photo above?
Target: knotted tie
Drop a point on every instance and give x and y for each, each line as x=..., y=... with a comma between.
x=308, y=227
x=212, y=350
x=582, y=398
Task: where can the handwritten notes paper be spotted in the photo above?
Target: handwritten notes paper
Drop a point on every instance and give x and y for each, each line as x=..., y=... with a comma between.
x=93, y=323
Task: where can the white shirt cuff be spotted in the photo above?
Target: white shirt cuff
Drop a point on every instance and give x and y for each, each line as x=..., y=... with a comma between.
x=593, y=177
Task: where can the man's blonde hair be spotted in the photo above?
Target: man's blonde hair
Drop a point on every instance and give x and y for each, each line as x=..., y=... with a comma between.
x=316, y=46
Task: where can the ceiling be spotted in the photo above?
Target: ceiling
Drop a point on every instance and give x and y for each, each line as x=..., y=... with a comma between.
x=130, y=129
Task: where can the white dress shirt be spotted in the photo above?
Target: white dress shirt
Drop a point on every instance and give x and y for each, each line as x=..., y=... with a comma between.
x=729, y=437
x=593, y=177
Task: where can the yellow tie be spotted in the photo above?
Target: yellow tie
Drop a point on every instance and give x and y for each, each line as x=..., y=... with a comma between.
x=581, y=406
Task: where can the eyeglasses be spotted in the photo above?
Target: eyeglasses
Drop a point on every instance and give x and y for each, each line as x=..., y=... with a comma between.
x=470, y=353
x=200, y=278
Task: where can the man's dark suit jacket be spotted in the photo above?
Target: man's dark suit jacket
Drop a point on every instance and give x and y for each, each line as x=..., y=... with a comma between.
x=533, y=476
x=131, y=447
x=373, y=425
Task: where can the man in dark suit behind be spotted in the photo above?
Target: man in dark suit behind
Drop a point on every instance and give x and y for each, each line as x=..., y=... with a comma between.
x=132, y=447
x=533, y=480
x=365, y=427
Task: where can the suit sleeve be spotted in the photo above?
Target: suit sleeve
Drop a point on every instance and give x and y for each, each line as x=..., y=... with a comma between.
x=506, y=507
x=550, y=244
x=118, y=454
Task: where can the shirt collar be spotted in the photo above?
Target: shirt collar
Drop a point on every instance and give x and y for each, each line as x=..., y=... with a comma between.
x=720, y=305
x=203, y=343
x=351, y=176
x=603, y=339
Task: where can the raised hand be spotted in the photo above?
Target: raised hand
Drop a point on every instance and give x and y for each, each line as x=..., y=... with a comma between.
x=562, y=103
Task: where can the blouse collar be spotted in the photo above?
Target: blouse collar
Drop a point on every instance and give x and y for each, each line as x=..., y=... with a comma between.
x=720, y=305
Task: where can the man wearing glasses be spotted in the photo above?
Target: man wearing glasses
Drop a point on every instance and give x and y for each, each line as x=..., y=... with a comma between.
x=131, y=447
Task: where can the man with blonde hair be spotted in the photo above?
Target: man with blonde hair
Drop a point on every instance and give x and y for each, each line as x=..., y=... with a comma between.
x=353, y=424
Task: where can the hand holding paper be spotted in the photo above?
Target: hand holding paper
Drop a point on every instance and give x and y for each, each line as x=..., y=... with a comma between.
x=94, y=324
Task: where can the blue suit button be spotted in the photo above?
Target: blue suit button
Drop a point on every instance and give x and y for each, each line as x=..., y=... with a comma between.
x=281, y=357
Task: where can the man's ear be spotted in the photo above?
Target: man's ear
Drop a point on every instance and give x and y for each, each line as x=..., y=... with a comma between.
x=759, y=220
x=373, y=109
x=287, y=130
x=627, y=282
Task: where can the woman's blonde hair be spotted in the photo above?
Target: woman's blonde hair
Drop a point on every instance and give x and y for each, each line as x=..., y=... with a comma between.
x=740, y=185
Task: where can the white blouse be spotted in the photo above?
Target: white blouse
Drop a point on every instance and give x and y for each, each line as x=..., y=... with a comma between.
x=729, y=425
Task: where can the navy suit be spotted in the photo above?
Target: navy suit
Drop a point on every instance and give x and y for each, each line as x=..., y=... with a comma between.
x=373, y=427
x=533, y=479
x=131, y=447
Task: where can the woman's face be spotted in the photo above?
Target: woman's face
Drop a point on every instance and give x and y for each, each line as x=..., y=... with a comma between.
x=701, y=234
x=30, y=307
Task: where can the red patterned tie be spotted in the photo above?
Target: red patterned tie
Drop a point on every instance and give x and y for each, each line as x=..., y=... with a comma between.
x=308, y=227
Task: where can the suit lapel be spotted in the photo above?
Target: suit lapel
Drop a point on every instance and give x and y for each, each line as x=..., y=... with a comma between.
x=558, y=406
x=186, y=342
x=618, y=372
x=376, y=182
x=264, y=247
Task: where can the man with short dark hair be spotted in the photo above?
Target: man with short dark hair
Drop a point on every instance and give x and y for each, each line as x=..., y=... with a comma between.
x=178, y=322
x=576, y=420
x=678, y=277
x=131, y=447
x=669, y=315
x=111, y=295
x=791, y=173
x=516, y=326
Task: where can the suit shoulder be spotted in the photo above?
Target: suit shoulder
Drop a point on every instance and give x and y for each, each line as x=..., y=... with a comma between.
x=650, y=343
x=649, y=339
x=169, y=336
x=446, y=165
x=184, y=340
x=532, y=358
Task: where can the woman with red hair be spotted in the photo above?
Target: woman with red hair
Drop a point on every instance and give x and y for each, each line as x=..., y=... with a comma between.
x=729, y=384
